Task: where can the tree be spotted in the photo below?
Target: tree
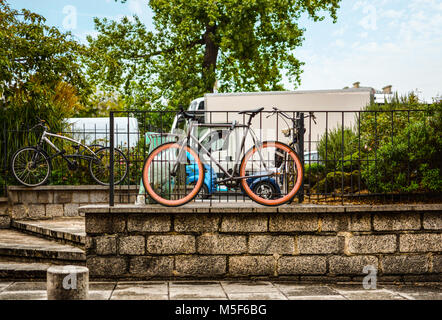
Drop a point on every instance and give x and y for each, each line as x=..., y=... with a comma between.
x=245, y=45
x=40, y=76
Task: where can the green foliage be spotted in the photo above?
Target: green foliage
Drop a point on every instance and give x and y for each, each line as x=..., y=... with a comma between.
x=338, y=146
x=407, y=147
x=245, y=45
x=334, y=181
x=40, y=76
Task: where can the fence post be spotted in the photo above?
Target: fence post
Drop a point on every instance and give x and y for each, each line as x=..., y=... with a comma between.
x=111, y=160
x=301, y=154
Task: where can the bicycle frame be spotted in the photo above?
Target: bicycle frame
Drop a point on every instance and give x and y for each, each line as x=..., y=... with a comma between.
x=44, y=138
x=232, y=126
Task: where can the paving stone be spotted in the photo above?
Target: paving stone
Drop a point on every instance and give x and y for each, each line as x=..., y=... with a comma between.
x=257, y=296
x=196, y=291
x=295, y=289
x=418, y=292
x=381, y=294
x=232, y=287
x=420, y=242
x=23, y=295
x=141, y=291
x=271, y=244
x=328, y=297
x=148, y=223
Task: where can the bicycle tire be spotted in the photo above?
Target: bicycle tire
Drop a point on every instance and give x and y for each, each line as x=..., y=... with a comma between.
x=150, y=186
x=121, y=159
x=29, y=164
x=287, y=197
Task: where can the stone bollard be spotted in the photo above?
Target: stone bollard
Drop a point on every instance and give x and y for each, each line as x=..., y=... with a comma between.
x=68, y=283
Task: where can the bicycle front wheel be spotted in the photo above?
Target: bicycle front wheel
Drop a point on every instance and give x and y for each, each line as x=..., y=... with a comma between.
x=275, y=165
x=30, y=167
x=173, y=175
x=99, y=167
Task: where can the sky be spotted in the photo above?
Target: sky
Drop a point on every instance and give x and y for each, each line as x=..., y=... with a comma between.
x=374, y=42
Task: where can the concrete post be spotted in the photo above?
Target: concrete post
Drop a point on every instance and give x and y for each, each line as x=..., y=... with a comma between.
x=68, y=283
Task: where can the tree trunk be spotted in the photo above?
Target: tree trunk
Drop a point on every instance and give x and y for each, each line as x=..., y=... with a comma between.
x=210, y=58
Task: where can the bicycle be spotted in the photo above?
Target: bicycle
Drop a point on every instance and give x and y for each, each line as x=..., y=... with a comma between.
x=165, y=178
x=32, y=165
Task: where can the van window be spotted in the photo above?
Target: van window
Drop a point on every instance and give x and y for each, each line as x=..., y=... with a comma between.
x=201, y=106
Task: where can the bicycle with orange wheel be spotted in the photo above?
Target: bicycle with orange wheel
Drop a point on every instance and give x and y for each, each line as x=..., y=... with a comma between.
x=166, y=169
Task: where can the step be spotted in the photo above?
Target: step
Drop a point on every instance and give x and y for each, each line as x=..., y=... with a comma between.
x=34, y=249
x=70, y=230
x=13, y=270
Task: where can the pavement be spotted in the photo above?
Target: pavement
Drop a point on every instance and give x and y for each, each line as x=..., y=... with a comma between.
x=229, y=290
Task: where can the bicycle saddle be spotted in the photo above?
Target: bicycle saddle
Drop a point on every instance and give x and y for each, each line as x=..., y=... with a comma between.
x=251, y=112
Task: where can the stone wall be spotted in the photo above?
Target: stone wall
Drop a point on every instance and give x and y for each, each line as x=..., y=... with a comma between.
x=300, y=242
x=60, y=201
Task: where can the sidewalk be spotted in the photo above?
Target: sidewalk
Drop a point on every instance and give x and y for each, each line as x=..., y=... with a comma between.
x=228, y=290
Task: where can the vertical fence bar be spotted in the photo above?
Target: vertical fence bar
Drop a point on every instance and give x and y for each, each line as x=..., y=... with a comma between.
x=301, y=154
x=111, y=160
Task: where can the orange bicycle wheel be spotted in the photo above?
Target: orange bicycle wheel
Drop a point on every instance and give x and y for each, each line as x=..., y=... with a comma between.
x=285, y=181
x=170, y=188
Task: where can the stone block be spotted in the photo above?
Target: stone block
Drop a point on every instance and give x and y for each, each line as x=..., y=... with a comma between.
x=424, y=242
x=396, y=221
x=354, y=265
x=98, y=197
x=5, y=221
x=244, y=223
x=28, y=197
x=106, y=266
x=148, y=223
x=293, y=222
x=132, y=245
x=437, y=264
x=372, y=244
x=44, y=197
x=19, y=211
x=335, y=222
x=36, y=211
x=54, y=210
x=103, y=223
x=252, y=265
x=200, y=266
x=106, y=245
x=63, y=197
x=405, y=264
x=221, y=244
x=80, y=197
x=196, y=223
x=302, y=265
x=71, y=209
x=152, y=266
x=432, y=221
x=360, y=222
x=271, y=244
x=320, y=244
x=171, y=244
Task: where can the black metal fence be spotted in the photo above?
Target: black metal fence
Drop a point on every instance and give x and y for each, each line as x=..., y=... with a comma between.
x=347, y=155
x=350, y=156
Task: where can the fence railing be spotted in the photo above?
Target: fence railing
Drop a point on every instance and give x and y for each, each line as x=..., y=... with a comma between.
x=346, y=155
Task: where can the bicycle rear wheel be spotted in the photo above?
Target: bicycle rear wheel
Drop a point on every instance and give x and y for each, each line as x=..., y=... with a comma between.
x=279, y=159
x=170, y=178
x=99, y=168
x=30, y=167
